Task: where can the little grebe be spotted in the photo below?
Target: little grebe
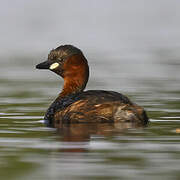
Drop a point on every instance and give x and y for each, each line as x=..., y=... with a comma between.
x=74, y=105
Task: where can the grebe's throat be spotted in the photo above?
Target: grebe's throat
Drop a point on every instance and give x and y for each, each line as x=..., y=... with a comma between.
x=76, y=74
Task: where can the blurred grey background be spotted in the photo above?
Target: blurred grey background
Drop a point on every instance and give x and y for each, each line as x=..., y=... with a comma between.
x=103, y=25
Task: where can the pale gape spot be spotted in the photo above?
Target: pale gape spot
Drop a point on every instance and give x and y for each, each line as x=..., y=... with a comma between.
x=53, y=66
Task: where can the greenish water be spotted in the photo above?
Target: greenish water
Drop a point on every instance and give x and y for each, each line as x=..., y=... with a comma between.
x=29, y=150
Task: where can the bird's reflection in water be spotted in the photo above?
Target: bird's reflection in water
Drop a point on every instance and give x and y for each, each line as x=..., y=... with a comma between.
x=77, y=137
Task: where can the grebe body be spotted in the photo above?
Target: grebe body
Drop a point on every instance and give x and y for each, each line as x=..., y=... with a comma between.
x=74, y=105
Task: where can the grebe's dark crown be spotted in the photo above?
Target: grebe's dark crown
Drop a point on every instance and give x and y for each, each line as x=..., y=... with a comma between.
x=63, y=52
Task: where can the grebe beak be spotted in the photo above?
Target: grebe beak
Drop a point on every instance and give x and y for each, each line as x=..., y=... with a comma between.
x=47, y=65
x=44, y=65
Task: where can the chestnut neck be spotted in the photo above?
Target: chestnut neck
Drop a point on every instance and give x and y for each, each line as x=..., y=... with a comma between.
x=76, y=74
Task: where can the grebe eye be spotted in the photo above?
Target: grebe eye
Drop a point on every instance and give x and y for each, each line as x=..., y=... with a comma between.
x=60, y=59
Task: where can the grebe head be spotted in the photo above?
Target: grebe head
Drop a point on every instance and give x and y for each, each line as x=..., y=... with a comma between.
x=70, y=63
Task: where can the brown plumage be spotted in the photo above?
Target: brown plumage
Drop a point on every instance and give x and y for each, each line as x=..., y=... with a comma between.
x=73, y=105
